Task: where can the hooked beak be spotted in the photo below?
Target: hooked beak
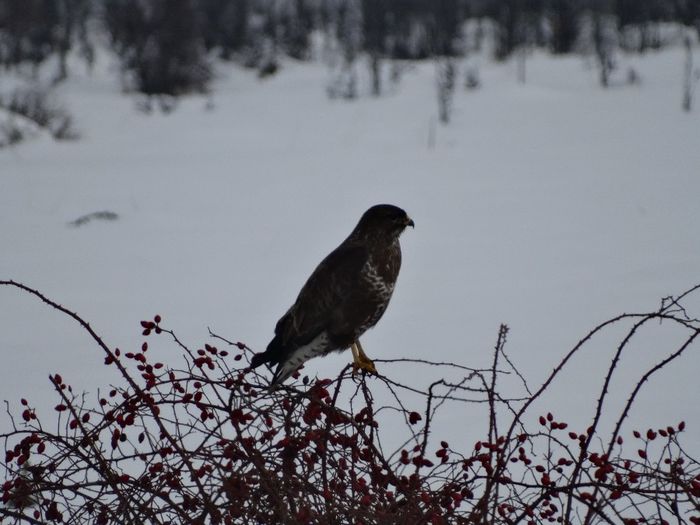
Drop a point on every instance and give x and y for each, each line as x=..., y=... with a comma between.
x=409, y=222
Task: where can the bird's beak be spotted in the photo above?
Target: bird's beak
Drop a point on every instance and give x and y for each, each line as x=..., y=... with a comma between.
x=409, y=222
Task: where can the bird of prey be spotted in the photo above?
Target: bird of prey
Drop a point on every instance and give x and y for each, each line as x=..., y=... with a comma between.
x=347, y=294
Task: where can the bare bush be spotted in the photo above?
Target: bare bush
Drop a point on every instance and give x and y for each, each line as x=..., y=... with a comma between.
x=207, y=442
x=445, y=73
x=170, y=60
x=471, y=79
x=690, y=75
x=10, y=133
x=35, y=104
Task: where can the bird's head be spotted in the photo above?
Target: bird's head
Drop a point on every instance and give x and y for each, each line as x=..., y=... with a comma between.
x=384, y=219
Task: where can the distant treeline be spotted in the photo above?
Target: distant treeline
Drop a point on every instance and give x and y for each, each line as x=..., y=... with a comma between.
x=165, y=46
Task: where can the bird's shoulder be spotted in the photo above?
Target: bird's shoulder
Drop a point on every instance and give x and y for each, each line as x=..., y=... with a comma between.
x=323, y=291
x=339, y=269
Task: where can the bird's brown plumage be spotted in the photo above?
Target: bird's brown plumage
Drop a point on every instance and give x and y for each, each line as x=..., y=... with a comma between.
x=347, y=294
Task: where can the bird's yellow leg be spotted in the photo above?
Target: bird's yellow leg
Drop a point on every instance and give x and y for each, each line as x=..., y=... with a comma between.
x=360, y=359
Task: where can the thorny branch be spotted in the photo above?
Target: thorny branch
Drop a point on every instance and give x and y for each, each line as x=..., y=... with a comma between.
x=207, y=442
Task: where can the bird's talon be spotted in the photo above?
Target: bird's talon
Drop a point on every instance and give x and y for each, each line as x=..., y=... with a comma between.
x=365, y=366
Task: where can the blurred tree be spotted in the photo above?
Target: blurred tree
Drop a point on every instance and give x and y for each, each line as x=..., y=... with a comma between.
x=29, y=31
x=445, y=27
x=506, y=17
x=159, y=44
x=375, y=28
x=225, y=25
x=563, y=16
x=73, y=26
x=690, y=75
x=347, y=27
x=266, y=32
x=604, y=35
x=687, y=12
x=33, y=30
x=407, y=31
x=163, y=45
x=444, y=38
x=298, y=23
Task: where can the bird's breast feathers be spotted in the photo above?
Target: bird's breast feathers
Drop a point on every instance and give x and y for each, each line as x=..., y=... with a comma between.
x=377, y=281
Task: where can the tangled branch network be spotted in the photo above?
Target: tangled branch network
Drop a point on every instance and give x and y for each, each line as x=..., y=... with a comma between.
x=202, y=440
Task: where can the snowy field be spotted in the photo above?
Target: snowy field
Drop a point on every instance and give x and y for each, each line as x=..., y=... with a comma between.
x=550, y=206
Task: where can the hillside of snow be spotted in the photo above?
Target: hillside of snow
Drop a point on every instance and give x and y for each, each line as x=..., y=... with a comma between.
x=550, y=206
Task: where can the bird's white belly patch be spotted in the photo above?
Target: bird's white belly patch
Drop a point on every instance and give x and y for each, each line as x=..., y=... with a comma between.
x=317, y=347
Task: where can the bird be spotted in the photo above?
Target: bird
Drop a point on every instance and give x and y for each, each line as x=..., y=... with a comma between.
x=346, y=294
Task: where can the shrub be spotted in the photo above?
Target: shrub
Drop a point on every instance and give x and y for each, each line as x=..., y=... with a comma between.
x=208, y=443
x=35, y=104
x=10, y=133
x=160, y=45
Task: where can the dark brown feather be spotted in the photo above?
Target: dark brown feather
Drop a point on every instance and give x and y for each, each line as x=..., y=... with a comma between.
x=324, y=293
x=347, y=293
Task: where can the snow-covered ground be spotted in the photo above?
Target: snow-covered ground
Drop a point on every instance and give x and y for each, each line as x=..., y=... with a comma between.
x=550, y=206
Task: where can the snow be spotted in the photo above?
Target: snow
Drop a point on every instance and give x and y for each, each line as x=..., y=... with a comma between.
x=550, y=206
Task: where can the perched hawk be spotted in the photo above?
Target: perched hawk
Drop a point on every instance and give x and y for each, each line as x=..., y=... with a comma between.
x=346, y=294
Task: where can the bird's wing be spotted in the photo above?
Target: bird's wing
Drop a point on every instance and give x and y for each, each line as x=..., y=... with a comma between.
x=331, y=282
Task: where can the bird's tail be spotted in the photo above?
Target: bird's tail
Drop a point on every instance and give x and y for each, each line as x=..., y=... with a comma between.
x=270, y=355
x=283, y=371
x=289, y=358
x=260, y=359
